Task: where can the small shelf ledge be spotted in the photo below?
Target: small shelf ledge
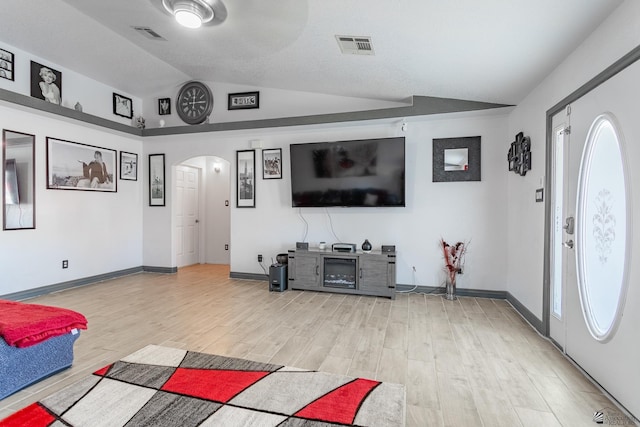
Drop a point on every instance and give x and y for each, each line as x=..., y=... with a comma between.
x=420, y=106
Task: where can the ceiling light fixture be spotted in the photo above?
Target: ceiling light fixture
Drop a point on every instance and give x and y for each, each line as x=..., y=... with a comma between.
x=195, y=13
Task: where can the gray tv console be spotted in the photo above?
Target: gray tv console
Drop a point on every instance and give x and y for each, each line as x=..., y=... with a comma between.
x=356, y=273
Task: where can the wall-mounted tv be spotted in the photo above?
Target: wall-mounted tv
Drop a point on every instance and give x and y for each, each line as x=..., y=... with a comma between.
x=357, y=173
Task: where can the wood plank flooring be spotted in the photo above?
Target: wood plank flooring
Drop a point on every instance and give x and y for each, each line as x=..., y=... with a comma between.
x=470, y=362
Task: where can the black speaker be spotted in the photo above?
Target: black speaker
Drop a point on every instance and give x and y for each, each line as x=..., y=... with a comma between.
x=302, y=246
x=388, y=248
x=278, y=277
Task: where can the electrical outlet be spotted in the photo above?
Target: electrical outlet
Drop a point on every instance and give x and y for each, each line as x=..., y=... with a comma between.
x=259, y=258
x=65, y=263
x=226, y=247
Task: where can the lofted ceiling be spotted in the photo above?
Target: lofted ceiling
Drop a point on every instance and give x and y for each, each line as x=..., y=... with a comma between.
x=481, y=50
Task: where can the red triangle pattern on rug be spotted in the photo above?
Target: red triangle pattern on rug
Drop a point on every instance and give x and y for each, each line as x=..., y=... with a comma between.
x=103, y=371
x=340, y=405
x=211, y=384
x=33, y=415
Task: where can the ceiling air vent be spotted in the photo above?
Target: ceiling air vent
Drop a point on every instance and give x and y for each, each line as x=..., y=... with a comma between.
x=149, y=33
x=351, y=45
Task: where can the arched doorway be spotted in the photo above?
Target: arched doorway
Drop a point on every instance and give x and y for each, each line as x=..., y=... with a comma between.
x=201, y=212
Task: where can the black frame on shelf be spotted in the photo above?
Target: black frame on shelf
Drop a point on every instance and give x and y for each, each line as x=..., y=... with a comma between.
x=243, y=100
x=7, y=65
x=126, y=102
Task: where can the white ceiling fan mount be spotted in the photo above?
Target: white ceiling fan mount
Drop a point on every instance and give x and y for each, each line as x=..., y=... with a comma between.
x=194, y=13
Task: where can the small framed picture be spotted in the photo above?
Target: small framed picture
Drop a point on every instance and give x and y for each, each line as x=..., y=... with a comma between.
x=128, y=166
x=46, y=83
x=122, y=106
x=164, y=106
x=244, y=100
x=6, y=65
x=156, y=180
x=76, y=166
x=272, y=163
x=245, y=179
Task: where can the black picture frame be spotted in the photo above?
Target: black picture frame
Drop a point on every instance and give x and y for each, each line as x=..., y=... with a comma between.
x=7, y=65
x=39, y=86
x=157, y=182
x=466, y=149
x=246, y=179
x=164, y=106
x=272, y=163
x=76, y=166
x=243, y=101
x=122, y=106
x=128, y=166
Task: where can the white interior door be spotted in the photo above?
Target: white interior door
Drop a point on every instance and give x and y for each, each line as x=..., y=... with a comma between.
x=602, y=296
x=187, y=223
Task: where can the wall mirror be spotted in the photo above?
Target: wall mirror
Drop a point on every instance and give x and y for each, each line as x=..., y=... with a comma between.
x=18, y=180
x=456, y=159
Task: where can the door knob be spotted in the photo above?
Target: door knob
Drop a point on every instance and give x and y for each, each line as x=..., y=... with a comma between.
x=569, y=225
x=568, y=244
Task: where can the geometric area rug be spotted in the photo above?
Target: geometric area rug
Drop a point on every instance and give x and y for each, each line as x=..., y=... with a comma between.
x=162, y=386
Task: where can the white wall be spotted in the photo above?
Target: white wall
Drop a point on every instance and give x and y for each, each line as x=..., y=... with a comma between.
x=615, y=37
x=474, y=211
x=97, y=232
x=96, y=98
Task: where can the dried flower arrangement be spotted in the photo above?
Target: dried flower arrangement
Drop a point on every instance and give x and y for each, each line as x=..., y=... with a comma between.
x=453, y=259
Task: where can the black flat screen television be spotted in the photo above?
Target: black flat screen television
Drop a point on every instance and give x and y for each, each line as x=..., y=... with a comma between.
x=357, y=173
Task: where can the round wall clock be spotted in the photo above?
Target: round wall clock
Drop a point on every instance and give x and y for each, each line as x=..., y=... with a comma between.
x=194, y=103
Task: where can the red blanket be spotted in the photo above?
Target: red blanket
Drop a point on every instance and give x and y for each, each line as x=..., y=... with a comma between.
x=24, y=325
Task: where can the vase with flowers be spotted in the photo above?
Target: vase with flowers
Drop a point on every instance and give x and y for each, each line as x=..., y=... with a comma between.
x=453, y=261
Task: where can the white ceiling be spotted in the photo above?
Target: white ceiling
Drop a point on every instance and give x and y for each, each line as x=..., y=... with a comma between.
x=482, y=50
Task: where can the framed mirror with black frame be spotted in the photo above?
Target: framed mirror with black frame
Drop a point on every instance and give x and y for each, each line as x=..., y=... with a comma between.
x=456, y=159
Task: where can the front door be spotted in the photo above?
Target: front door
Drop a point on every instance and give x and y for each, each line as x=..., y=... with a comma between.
x=599, y=314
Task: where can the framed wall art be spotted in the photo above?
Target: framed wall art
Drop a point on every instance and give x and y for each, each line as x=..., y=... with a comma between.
x=128, y=166
x=519, y=155
x=244, y=100
x=157, y=187
x=7, y=62
x=46, y=83
x=272, y=163
x=164, y=106
x=245, y=179
x=122, y=106
x=456, y=159
x=76, y=166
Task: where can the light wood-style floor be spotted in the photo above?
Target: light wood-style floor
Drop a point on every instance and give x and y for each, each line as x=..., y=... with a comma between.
x=470, y=362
